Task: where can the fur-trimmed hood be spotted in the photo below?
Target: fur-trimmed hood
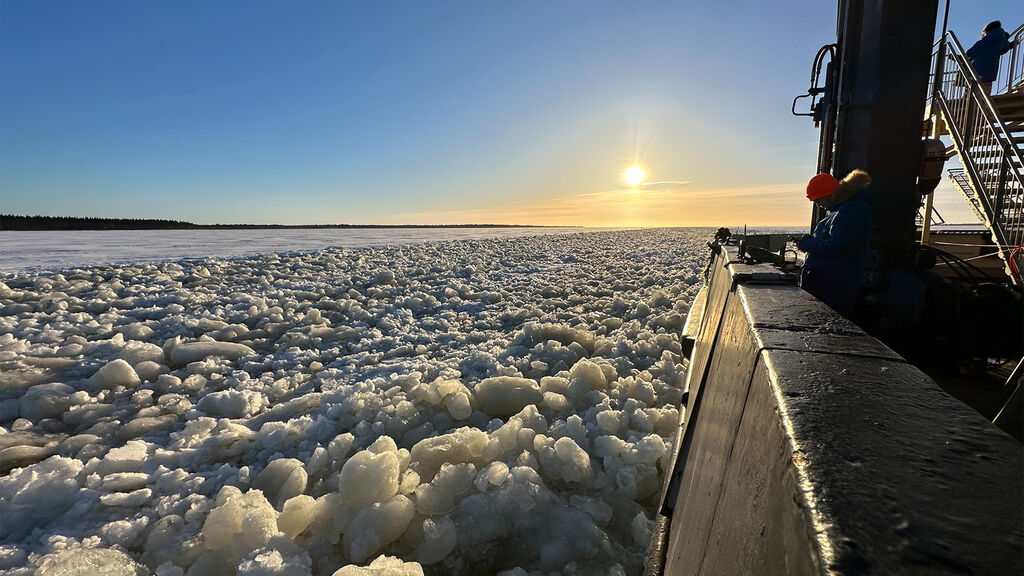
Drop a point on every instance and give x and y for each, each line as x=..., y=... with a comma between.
x=849, y=186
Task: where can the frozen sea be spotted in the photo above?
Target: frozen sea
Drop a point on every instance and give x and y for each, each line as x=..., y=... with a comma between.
x=55, y=250
x=500, y=405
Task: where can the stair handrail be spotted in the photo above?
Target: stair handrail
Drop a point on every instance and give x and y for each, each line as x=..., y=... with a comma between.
x=971, y=119
x=972, y=82
x=1011, y=73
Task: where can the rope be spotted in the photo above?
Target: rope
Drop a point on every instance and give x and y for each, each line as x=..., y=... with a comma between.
x=1004, y=246
x=969, y=259
x=1012, y=261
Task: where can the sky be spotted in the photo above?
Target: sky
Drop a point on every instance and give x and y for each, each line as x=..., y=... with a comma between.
x=399, y=112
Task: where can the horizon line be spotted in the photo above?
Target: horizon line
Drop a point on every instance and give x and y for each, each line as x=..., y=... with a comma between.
x=15, y=223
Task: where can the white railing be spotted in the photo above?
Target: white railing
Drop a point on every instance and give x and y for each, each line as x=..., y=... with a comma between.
x=991, y=159
x=1011, y=68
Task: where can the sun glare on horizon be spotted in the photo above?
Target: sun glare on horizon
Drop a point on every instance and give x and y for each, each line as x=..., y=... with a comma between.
x=634, y=175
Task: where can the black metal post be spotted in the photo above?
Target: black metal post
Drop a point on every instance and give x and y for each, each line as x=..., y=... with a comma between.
x=883, y=83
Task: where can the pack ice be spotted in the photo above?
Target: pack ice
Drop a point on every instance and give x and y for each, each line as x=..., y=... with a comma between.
x=472, y=407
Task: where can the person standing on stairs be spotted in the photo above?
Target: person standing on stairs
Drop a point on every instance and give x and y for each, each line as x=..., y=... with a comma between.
x=984, y=55
x=838, y=249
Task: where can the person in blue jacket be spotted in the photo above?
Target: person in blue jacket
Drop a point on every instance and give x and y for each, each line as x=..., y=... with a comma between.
x=837, y=251
x=984, y=55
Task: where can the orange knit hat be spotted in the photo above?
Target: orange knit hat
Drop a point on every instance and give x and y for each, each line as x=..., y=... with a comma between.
x=820, y=186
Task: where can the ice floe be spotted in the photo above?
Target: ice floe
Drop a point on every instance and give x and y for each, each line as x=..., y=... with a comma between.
x=471, y=407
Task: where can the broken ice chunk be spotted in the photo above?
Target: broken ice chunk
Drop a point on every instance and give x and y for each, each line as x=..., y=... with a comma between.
x=505, y=396
x=367, y=478
x=376, y=526
x=383, y=566
x=104, y=561
x=186, y=352
x=115, y=373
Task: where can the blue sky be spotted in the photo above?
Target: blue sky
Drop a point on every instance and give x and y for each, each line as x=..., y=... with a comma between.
x=399, y=112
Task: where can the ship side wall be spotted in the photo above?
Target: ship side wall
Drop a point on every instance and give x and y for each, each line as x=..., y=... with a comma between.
x=808, y=447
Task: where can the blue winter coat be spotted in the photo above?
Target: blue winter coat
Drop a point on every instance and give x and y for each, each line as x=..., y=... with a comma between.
x=985, y=53
x=837, y=253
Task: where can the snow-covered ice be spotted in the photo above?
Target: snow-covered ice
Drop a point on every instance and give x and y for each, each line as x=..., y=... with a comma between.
x=55, y=249
x=500, y=406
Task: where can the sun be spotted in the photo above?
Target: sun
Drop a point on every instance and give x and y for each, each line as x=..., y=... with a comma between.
x=634, y=175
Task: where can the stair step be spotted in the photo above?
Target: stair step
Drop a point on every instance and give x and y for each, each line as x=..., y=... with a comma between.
x=1009, y=108
x=992, y=163
x=988, y=138
x=1007, y=101
x=1007, y=97
x=988, y=144
x=993, y=148
x=990, y=153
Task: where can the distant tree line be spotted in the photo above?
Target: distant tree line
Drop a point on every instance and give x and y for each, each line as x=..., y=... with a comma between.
x=13, y=222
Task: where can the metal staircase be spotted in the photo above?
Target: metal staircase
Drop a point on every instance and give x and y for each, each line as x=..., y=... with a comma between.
x=962, y=182
x=988, y=136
